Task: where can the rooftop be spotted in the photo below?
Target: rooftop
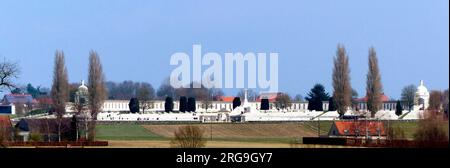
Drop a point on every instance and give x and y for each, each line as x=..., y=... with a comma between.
x=353, y=128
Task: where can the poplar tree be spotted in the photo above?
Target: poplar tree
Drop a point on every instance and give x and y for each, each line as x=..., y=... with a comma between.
x=374, y=88
x=97, y=90
x=60, y=89
x=341, y=81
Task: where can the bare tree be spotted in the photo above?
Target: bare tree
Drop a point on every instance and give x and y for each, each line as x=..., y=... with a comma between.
x=431, y=131
x=80, y=107
x=45, y=103
x=207, y=100
x=145, y=94
x=408, y=93
x=298, y=98
x=166, y=90
x=283, y=101
x=216, y=93
x=73, y=89
x=60, y=88
x=374, y=88
x=341, y=81
x=5, y=131
x=4, y=136
x=251, y=95
x=436, y=99
x=445, y=103
x=8, y=72
x=97, y=90
x=200, y=94
x=29, y=107
x=188, y=136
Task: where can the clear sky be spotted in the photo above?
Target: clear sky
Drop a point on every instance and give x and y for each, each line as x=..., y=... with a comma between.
x=135, y=39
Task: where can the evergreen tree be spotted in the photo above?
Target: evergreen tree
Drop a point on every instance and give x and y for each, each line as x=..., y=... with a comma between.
x=168, y=104
x=265, y=104
x=183, y=104
x=236, y=102
x=134, y=105
x=32, y=91
x=398, y=108
x=316, y=96
x=16, y=91
x=331, y=104
x=191, y=104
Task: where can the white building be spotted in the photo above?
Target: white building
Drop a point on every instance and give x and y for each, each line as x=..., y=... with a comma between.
x=118, y=110
x=422, y=97
x=215, y=106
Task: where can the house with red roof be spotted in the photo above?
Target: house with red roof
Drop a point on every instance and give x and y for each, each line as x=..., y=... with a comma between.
x=271, y=96
x=228, y=99
x=16, y=103
x=358, y=129
x=384, y=98
x=18, y=98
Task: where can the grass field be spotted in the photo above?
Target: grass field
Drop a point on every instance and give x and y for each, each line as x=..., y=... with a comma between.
x=226, y=134
x=410, y=127
x=125, y=132
x=263, y=133
x=222, y=134
x=251, y=132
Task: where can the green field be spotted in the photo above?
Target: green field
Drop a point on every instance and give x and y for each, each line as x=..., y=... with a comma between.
x=409, y=128
x=248, y=132
x=237, y=132
x=324, y=126
x=125, y=132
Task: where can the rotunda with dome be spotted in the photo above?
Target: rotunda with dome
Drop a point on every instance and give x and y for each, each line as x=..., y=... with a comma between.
x=81, y=96
x=421, y=97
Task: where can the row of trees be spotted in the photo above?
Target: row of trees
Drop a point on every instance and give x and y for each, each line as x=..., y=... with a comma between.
x=342, y=95
x=129, y=89
x=96, y=96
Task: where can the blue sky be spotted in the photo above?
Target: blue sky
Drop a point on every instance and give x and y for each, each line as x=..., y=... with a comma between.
x=135, y=39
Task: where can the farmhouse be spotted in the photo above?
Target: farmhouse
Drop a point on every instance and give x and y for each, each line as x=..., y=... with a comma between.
x=358, y=129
